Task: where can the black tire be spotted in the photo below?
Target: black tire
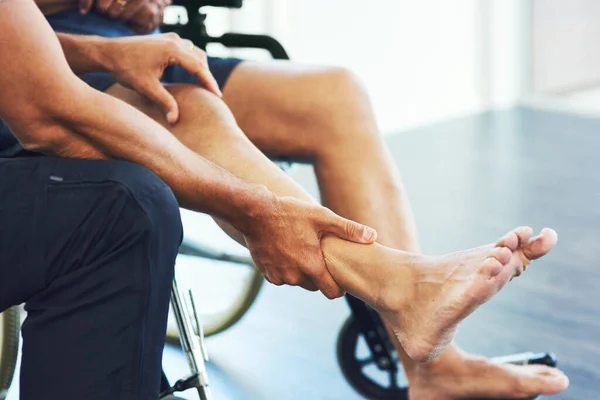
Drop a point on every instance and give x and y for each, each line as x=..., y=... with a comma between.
x=353, y=368
x=10, y=327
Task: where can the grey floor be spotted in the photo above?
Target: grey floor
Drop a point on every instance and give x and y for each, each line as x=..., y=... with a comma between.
x=470, y=180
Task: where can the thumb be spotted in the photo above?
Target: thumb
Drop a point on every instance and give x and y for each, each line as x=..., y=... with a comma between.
x=350, y=230
x=165, y=100
x=85, y=6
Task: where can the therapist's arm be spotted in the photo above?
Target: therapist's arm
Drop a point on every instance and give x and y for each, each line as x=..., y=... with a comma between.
x=50, y=110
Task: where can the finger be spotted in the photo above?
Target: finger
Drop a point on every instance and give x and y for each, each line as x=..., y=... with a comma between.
x=348, y=230
x=273, y=279
x=158, y=19
x=157, y=93
x=116, y=8
x=308, y=285
x=132, y=9
x=103, y=5
x=323, y=280
x=327, y=285
x=85, y=6
x=214, y=85
x=296, y=278
x=195, y=64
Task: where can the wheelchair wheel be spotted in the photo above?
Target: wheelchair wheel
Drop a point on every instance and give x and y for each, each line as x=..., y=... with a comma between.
x=361, y=371
x=220, y=273
x=223, y=320
x=245, y=300
x=10, y=325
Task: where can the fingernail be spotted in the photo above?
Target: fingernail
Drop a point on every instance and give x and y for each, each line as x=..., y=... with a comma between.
x=368, y=234
x=171, y=116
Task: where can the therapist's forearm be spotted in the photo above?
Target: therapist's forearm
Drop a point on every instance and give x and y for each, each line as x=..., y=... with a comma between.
x=120, y=131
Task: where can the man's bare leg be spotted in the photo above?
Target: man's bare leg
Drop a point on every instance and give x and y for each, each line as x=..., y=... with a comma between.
x=426, y=296
x=324, y=115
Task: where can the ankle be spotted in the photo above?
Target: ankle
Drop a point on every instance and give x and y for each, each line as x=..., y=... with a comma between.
x=397, y=291
x=451, y=358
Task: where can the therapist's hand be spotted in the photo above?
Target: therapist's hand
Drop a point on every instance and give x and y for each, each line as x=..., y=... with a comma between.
x=284, y=236
x=138, y=63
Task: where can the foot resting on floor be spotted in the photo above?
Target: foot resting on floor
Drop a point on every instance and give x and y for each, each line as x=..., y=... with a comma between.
x=458, y=375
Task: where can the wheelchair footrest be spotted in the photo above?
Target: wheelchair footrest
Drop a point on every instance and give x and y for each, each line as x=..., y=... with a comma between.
x=528, y=358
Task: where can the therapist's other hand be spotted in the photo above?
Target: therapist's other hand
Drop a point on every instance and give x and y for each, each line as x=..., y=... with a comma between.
x=138, y=63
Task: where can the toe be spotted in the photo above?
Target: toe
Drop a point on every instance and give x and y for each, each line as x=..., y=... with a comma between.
x=540, y=245
x=524, y=233
x=541, y=379
x=491, y=267
x=509, y=240
x=502, y=254
x=515, y=238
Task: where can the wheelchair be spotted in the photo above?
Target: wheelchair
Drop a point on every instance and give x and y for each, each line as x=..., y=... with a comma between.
x=363, y=341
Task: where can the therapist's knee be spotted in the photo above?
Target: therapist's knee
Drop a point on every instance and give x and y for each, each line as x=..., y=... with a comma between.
x=158, y=209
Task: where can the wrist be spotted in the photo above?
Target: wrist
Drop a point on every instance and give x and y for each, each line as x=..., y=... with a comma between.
x=250, y=206
x=88, y=53
x=103, y=53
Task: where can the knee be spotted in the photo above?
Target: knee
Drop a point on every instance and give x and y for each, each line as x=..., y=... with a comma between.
x=344, y=109
x=151, y=204
x=205, y=121
x=339, y=83
x=198, y=105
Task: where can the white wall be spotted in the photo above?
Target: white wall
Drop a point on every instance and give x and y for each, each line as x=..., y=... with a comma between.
x=566, y=55
x=506, y=50
x=422, y=60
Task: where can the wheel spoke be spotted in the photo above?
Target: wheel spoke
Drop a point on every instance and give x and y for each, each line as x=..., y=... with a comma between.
x=363, y=362
x=393, y=380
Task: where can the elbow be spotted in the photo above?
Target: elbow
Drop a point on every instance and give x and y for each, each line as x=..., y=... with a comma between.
x=60, y=140
x=48, y=126
x=46, y=138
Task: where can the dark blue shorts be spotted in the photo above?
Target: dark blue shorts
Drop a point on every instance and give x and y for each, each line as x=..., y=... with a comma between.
x=95, y=24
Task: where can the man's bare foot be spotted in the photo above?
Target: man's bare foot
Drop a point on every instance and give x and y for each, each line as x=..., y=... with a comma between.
x=457, y=375
x=445, y=290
